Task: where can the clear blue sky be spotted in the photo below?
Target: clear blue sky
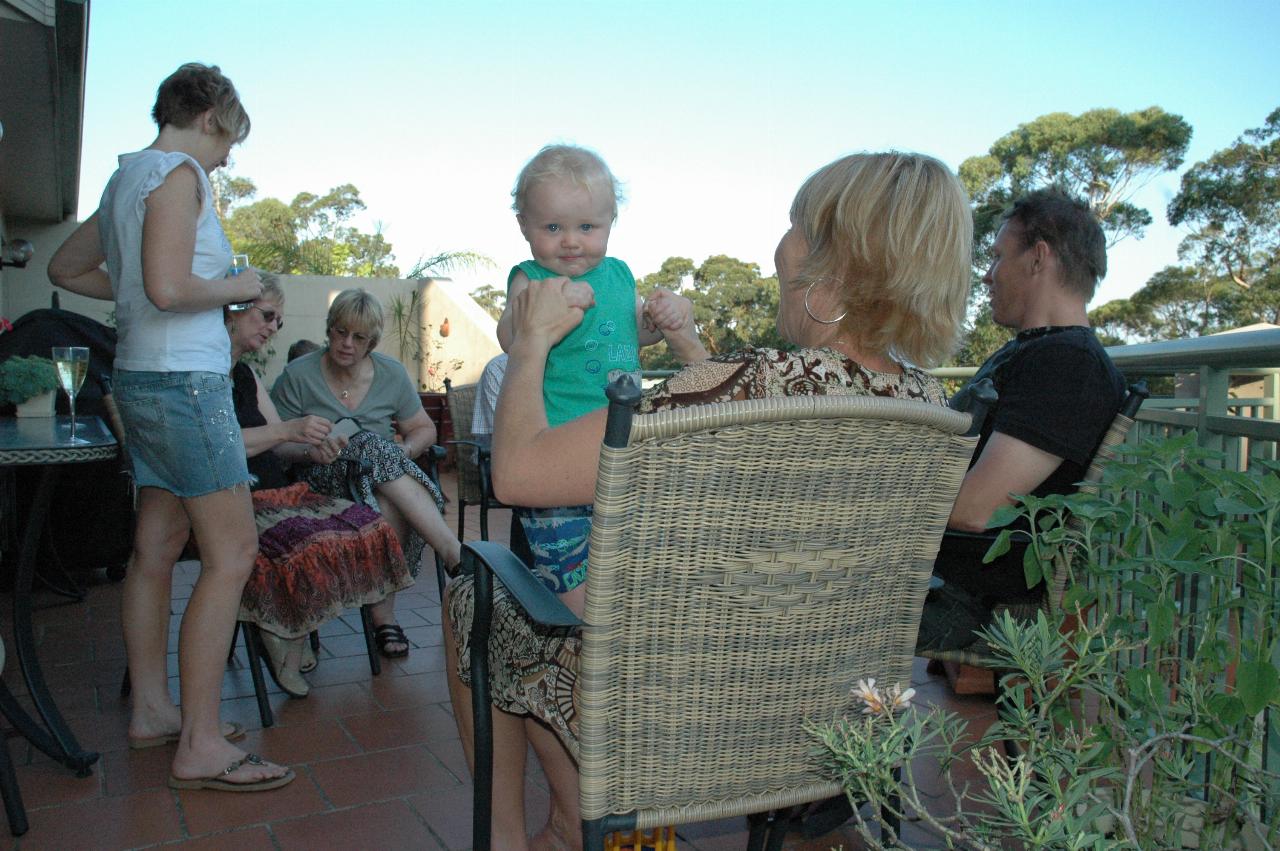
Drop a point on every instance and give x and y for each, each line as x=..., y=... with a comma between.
x=711, y=112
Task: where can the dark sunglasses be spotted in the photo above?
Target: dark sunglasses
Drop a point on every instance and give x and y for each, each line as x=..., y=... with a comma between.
x=270, y=316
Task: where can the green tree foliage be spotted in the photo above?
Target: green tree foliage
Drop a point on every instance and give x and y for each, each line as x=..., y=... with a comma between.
x=309, y=236
x=1232, y=202
x=492, y=299
x=733, y=306
x=673, y=274
x=1103, y=156
x=229, y=190
x=982, y=337
x=1231, y=276
x=1177, y=301
x=445, y=262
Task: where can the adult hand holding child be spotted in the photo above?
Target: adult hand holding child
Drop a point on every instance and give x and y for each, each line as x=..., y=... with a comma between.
x=579, y=294
x=546, y=310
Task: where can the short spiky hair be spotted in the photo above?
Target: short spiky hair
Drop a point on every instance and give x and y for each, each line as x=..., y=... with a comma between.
x=1070, y=229
x=893, y=231
x=566, y=162
x=193, y=90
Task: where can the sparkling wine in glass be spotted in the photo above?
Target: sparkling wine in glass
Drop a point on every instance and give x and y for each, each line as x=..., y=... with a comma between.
x=72, y=363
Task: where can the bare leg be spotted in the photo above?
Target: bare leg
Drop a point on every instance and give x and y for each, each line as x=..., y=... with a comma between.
x=162, y=531
x=384, y=611
x=563, y=831
x=420, y=512
x=509, y=749
x=224, y=528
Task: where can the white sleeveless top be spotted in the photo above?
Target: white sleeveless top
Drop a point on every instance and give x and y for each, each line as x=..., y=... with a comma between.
x=150, y=339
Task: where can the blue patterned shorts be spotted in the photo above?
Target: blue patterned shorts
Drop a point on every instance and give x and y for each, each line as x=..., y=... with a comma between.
x=181, y=431
x=558, y=540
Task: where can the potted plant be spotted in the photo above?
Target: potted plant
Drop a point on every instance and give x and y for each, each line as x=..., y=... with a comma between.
x=1146, y=718
x=30, y=384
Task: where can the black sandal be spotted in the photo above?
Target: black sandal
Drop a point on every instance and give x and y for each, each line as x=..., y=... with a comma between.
x=391, y=633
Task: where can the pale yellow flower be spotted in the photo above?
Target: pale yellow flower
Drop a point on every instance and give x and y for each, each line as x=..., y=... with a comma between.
x=870, y=695
x=899, y=699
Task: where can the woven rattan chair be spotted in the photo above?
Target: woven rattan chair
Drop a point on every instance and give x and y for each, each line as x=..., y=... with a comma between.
x=979, y=654
x=471, y=458
x=750, y=562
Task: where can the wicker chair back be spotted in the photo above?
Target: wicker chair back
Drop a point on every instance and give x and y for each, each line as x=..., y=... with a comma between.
x=750, y=562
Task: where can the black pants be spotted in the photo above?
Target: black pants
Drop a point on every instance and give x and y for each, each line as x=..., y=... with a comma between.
x=959, y=563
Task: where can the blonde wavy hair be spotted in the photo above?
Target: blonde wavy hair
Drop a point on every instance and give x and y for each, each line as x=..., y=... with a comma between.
x=894, y=233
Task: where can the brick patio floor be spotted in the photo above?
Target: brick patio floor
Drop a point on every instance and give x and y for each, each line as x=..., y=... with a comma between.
x=378, y=759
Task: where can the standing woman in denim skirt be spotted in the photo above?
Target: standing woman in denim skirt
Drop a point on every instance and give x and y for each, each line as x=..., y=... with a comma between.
x=166, y=267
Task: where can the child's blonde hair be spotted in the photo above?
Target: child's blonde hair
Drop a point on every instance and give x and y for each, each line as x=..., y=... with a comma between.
x=580, y=166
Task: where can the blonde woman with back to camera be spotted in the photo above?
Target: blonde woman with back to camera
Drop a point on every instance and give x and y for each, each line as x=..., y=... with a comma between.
x=873, y=276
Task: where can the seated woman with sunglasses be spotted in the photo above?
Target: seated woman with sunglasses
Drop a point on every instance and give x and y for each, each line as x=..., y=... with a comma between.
x=317, y=555
x=348, y=380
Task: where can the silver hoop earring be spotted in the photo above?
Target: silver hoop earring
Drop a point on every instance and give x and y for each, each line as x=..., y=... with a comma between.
x=809, y=311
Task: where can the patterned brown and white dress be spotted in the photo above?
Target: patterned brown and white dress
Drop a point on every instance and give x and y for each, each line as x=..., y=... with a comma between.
x=534, y=671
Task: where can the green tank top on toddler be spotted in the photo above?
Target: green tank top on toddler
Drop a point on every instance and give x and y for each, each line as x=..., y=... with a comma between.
x=578, y=367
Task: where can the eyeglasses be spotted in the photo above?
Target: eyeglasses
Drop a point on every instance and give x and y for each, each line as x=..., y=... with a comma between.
x=342, y=333
x=270, y=315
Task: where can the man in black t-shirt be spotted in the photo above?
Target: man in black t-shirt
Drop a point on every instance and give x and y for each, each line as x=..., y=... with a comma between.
x=1058, y=390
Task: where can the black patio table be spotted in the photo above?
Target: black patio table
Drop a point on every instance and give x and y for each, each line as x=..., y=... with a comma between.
x=44, y=442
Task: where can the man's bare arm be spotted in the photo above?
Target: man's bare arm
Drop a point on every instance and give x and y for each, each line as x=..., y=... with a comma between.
x=1007, y=465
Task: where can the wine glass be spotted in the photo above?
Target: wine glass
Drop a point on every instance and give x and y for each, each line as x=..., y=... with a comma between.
x=72, y=363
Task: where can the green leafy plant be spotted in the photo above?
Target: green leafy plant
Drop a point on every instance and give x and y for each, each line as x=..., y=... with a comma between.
x=259, y=359
x=23, y=378
x=1143, y=716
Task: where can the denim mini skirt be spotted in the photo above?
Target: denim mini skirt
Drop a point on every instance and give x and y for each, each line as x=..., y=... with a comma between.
x=181, y=431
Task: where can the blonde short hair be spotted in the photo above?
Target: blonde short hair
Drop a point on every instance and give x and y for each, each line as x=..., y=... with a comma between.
x=895, y=233
x=192, y=90
x=358, y=311
x=271, y=287
x=579, y=166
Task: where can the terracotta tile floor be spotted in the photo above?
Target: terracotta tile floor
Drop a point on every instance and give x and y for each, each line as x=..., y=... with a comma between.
x=378, y=759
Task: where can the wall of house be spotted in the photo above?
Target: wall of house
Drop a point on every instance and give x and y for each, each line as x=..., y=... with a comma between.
x=28, y=289
x=472, y=332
